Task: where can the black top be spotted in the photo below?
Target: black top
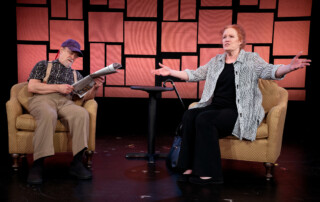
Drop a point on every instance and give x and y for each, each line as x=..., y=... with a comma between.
x=225, y=92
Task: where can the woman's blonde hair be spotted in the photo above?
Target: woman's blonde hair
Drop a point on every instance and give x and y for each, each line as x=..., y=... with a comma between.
x=240, y=31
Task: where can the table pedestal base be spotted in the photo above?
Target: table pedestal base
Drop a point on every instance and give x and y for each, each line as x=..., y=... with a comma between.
x=154, y=92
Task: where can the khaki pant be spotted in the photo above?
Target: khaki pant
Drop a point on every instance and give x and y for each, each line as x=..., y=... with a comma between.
x=47, y=109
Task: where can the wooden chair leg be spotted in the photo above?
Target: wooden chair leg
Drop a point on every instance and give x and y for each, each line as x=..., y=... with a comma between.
x=15, y=163
x=269, y=170
x=89, y=155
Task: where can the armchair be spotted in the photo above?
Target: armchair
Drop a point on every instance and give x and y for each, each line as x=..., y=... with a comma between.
x=267, y=146
x=21, y=126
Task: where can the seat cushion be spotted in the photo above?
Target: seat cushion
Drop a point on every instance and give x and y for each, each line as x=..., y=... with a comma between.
x=262, y=132
x=27, y=122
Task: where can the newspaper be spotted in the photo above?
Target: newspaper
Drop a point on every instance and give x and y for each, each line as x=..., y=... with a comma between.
x=84, y=85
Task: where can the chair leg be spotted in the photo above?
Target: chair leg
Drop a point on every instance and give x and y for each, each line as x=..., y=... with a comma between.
x=89, y=155
x=269, y=170
x=15, y=159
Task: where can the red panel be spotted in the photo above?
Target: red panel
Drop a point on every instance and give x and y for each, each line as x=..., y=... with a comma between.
x=294, y=8
x=291, y=37
x=216, y=2
x=98, y=2
x=189, y=62
x=248, y=2
x=211, y=22
x=32, y=1
x=188, y=9
x=97, y=61
x=52, y=56
x=124, y=92
x=142, y=8
x=78, y=64
x=295, y=79
x=105, y=27
x=258, y=26
x=264, y=52
x=207, y=53
x=113, y=54
x=116, y=78
x=179, y=37
x=170, y=10
x=297, y=95
x=172, y=63
x=59, y=8
x=248, y=48
x=116, y=4
x=28, y=56
x=32, y=24
x=97, y=53
x=71, y=30
x=185, y=89
x=138, y=71
x=99, y=92
x=140, y=38
x=268, y=4
x=75, y=10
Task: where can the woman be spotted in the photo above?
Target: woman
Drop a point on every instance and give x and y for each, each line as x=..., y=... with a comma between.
x=230, y=103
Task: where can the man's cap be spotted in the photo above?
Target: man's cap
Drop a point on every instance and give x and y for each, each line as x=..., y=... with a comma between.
x=73, y=45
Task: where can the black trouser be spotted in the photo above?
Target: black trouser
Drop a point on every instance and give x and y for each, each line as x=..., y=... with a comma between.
x=201, y=130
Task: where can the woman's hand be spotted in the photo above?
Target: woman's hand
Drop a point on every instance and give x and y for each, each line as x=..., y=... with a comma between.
x=163, y=71
x=297, y=63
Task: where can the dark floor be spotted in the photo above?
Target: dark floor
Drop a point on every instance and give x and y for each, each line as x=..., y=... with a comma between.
x=297, y=177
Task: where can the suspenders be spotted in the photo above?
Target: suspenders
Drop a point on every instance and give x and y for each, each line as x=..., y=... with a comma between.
x=49, y=67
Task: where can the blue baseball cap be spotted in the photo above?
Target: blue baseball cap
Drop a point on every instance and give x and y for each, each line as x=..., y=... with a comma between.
x=73, y=45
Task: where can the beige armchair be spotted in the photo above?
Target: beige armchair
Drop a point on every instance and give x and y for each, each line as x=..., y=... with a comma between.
x=21, y=126
x=267, y=146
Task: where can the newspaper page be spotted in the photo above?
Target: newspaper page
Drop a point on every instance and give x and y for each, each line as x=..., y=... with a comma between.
x=84, y=85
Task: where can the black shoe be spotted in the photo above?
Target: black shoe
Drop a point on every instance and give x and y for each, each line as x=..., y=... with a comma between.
x=199, y=181
x=183, y=178
x=78, y=170
x=35, y=173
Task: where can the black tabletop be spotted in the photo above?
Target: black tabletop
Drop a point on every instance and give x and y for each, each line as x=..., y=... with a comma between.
x=152, y=88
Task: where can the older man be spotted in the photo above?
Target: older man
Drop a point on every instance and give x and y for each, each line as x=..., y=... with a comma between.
x=51, y=83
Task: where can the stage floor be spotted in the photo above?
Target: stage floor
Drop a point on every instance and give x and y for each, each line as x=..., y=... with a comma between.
x=115, y=178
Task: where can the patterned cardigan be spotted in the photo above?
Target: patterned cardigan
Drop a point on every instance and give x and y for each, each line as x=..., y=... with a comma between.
x=248, y=68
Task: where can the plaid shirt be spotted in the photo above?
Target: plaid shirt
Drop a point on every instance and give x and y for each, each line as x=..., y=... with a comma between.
x=59, y=73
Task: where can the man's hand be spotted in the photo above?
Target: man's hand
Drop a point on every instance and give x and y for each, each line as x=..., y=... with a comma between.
x=65, y=88
x=98, y=81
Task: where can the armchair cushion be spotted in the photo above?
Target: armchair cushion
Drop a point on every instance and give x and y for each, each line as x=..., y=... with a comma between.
x=27, y=122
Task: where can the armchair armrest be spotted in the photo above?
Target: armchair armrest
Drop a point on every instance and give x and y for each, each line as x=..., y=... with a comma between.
x=14, y=109
x=275, y=121
x=91, y=106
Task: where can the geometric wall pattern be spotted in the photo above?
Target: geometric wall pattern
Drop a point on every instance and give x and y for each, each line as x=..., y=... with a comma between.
x=141, y=33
